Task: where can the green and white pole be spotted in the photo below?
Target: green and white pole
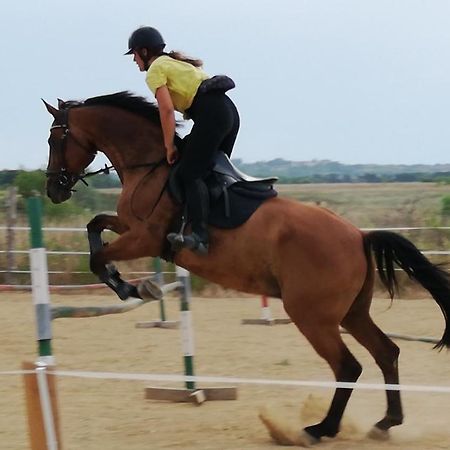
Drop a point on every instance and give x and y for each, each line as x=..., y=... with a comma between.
x=187, y=334
x=42, y=408
x=39, y=279
x=159, y=278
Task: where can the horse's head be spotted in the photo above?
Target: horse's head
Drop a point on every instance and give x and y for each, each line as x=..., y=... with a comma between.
x=70, y=153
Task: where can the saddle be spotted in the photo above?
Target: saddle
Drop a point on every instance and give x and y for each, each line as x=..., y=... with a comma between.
x=234, y=196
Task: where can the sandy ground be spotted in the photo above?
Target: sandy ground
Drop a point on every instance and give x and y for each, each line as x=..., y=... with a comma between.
x=113, y=415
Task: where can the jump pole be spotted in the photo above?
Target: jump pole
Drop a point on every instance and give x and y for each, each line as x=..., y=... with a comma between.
x=190, y=393
x=266, y=316
x=163, y=323
x=40, y=387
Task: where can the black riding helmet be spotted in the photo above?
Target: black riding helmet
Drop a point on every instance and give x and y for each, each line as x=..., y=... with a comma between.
x=145, y=37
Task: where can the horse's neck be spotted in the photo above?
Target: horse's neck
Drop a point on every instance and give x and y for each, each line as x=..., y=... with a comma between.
x=127, y=140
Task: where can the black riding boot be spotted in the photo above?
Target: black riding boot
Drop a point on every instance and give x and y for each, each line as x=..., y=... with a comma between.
x=197, y=199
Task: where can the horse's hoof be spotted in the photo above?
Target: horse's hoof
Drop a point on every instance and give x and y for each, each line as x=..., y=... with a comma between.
x=149, y=290
x=306, y=439
x=378, y=434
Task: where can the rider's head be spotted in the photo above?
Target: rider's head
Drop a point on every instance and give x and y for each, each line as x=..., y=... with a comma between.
x=145, y=43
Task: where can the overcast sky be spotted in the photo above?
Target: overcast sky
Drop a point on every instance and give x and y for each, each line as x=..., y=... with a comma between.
x=355, y=81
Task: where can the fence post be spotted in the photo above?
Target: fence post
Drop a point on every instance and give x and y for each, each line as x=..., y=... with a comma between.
x=187, y=334
x=190, y=393
x=39, y=281
x=159, y=278
x=163, y=323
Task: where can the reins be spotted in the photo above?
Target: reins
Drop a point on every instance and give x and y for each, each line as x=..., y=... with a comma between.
x=107, y=169
x=153, y=166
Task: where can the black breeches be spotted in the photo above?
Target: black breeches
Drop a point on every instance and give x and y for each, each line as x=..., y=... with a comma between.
x=216, y=125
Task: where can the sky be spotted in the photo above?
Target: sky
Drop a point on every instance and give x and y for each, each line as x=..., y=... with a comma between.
x=354, y=81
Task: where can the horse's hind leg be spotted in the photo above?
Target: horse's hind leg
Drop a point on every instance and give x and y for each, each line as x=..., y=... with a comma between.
x=385, y=352
x=327, y=342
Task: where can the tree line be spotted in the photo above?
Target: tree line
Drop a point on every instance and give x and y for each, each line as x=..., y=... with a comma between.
x=422, y=177
x=86, y=199
x=36, y=178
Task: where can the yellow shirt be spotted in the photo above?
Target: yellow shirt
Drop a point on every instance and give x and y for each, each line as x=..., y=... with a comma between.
x=182, y=80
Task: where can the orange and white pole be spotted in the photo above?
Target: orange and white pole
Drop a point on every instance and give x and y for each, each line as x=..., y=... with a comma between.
x=265, y=311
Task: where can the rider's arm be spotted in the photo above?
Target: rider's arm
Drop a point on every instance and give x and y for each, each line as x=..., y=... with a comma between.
x=167, y=115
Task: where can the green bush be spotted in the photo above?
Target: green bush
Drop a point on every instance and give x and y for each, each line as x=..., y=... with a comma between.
x=62, y=210
x=28, y=183
x=85, y=199
x=93, y=200
x=445, y=210
x=7, y=177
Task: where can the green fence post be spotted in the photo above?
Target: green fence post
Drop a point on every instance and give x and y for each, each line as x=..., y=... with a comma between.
x=159, y=278
x=39, y=281
x=187, y=334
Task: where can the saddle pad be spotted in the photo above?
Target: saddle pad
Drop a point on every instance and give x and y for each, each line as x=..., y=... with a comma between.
x=241, y=208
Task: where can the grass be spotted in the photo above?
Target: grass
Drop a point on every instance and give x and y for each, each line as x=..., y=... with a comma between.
x=376, y=205
x=365, y=205
x=382, y=205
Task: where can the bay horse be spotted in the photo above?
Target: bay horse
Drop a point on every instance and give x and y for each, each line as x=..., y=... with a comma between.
x=320, y=265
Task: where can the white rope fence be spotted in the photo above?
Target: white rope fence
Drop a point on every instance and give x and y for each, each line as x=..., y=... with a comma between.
x=83, y=230
x=78, y=253
x=236, y=380
x=85, y=253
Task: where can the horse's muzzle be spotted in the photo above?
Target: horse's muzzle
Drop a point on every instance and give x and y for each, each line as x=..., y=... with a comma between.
x=58, y=192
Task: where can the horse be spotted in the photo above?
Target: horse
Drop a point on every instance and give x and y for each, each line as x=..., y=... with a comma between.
x=321, y=266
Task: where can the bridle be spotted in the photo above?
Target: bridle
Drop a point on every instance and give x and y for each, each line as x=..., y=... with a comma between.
x=64, y=178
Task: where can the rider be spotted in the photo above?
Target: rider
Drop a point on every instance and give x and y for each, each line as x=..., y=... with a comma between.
x=180, y=84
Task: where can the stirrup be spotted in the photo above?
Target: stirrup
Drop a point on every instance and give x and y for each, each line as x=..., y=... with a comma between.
x=191, y=242
x=176, y=240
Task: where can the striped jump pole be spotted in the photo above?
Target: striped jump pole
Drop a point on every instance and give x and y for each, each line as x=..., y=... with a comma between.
x=187, y=333
x=39, y=281
x=266, y=316
x=40, y=387
x=265, y=310
x=190, y=393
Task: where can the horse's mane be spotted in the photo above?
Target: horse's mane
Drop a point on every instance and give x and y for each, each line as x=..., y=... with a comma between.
x=123, y=100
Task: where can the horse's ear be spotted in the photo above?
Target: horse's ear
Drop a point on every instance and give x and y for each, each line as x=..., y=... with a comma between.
x=61, y=104
x=51, y=109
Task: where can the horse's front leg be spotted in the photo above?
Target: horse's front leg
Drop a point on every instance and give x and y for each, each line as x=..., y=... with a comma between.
x=100, y=261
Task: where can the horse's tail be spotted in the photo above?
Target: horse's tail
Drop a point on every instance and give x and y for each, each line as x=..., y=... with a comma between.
x=389, y=248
